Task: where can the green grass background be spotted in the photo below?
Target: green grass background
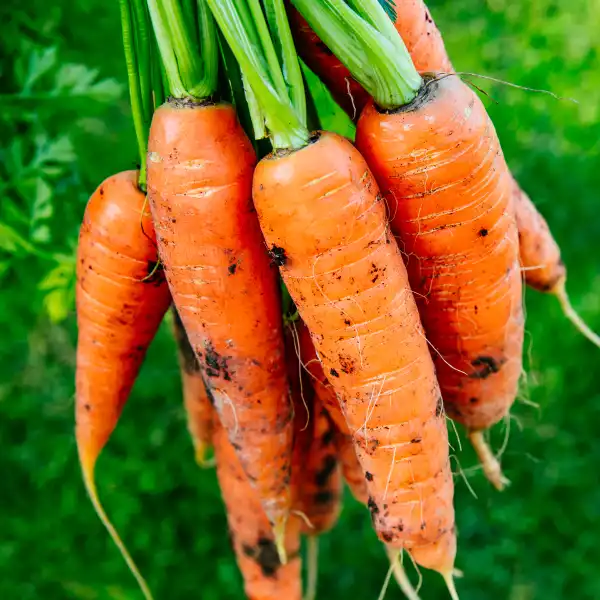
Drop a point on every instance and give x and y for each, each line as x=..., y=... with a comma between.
x=539, y=539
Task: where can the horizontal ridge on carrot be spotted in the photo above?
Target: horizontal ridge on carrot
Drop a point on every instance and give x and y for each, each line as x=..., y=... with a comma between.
x=200, y=166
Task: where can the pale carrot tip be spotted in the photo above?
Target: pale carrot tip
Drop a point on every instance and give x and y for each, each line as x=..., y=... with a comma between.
x=400, y=574
x=491, y=465
x=560, y=291
x=312, y=568
x=202, y=459
x=279, y=533
x=87, y=468
x=449, y=579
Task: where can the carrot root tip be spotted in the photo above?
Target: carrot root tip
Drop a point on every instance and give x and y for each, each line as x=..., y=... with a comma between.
x=449, y=580
x=279, y=534
x=490, y=464
x=400, y=575
x=203, y=460
x=560, y=291
x=312, y=567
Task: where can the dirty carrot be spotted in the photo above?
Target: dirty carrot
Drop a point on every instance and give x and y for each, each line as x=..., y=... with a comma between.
x=324, y=221
x=351, y=469
x=437, y=159
x=200, y=166
x=265, y=577
x=197, y=403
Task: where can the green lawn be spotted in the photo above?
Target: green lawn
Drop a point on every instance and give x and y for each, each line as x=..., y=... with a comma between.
x=539, y=539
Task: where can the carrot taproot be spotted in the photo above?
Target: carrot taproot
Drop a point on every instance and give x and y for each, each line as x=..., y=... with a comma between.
x=323, y=219
x=541, y=261
x=440, y=167
x=199, y=184
x=197, y=403
x=200, y=166
x=121, y=300
x=265, y=577
x=351, y=469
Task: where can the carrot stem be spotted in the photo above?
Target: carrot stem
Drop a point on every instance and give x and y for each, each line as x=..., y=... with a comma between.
x=491, y=465
x=312, y=567
x=242, y=27
x=364, y=42
x=143, y=48
x=135, y=93
x=90, y=485
x=560, y=291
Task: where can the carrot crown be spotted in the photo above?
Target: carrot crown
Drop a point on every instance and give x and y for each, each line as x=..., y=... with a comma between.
x=270, y=70
x=362, y=36
x=188, y=75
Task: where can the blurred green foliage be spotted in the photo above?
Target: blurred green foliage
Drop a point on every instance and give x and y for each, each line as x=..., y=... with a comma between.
x=65, y=125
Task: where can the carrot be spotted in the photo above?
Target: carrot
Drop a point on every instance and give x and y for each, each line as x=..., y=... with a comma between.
x=436, y=157
x=351, y=469
x=542, y=265
x=197, y=403
x=325, y=224
x=540, y=254
x=265, y=578
x=200, y=165
x=121, y=300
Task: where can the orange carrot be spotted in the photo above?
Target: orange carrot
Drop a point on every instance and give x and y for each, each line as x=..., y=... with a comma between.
x=323, y=219
x=121, y=300
x=200, y=166
x=265, y=578
x=351, y=469
x=449, y=195
x=197, y=403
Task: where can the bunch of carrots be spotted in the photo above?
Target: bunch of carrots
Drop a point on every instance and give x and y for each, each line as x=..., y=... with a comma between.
x=332, y=301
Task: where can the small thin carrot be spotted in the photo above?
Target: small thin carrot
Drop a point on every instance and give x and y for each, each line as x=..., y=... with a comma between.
x=119, y=309
x=197, y=402
x=265, y=577
x=200, y=166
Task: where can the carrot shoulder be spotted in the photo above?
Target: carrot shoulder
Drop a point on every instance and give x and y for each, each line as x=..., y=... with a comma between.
x=321, y=215
x=199, y=184
x=197, y=403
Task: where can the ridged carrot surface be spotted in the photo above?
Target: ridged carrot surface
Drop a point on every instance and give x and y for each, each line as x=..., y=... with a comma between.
x=197, y=403
x=440, y=167
x=200, y=165
x=265, y=578
x=323, y=219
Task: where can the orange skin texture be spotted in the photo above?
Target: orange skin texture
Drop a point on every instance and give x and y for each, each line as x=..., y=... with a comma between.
x=119, y=307
x=200, y=165
x=413, y=22
x=325, y=395
x=265, y=578
x=441, y=170
x=316, y=474
x=196, y=401
x=540, y=254
x=320, y=211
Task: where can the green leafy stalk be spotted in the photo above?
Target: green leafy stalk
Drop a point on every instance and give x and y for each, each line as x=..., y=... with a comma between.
x=287, y=128
x=279, y=24
x=143, y=47
x=140, y=124
x=188, y=76
x=209, y=45
x=378, y=60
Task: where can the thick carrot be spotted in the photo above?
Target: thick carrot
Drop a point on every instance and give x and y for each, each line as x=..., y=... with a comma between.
x=440, y=167
x=265, y=578
x=197, y=403
x=121, y=299
x=351, y=469
x=322, y=217
x=199, y=184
